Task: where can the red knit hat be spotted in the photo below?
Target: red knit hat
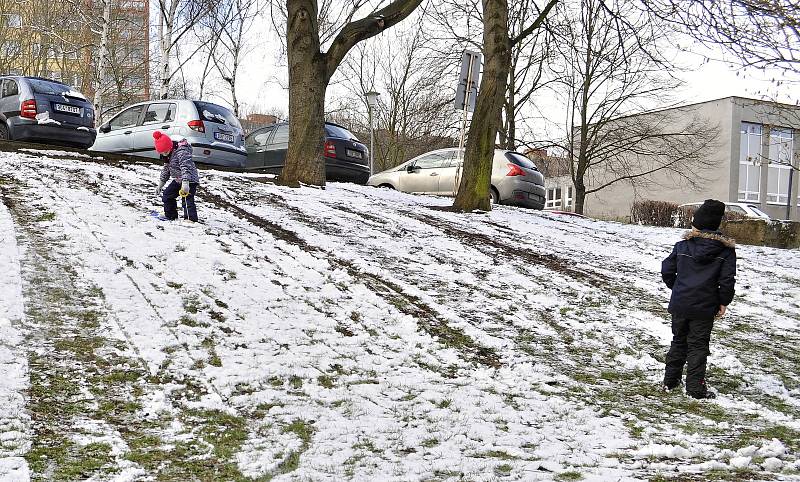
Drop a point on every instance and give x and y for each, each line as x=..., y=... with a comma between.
x=162, y=142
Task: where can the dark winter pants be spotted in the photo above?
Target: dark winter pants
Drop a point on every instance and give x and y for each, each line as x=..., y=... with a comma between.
x=690, y=338
x=187, y=205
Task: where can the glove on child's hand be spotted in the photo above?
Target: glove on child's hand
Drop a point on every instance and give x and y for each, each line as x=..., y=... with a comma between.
x=185, y=189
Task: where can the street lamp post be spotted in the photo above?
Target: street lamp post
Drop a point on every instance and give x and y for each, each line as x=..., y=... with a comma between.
x=372, y=101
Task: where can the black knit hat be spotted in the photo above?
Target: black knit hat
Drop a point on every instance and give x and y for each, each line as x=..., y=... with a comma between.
x=709, y=215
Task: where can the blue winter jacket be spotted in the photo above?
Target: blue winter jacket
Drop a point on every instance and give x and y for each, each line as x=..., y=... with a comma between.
x=179, y=164
x=701, y=271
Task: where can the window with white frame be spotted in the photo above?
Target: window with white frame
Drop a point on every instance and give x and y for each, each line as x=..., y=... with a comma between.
x=549, y=202
x=553, y=199
x=10, y=49
x=749, y=162
x=568, y=199
x=781, y=145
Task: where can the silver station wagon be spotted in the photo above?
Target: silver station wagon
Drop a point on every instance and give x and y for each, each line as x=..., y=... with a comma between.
x=213, y=131
x=515, y=181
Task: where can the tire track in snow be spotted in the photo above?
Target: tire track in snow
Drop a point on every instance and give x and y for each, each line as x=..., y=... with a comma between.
x=411, y=305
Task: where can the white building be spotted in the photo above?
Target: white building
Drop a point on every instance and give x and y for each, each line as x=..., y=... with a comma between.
x=754, y=154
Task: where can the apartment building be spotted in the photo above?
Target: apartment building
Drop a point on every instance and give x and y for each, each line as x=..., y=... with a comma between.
x=58, y=40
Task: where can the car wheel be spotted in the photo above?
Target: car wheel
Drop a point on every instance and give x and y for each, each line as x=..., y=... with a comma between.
x=494, y=198
x=4, y=132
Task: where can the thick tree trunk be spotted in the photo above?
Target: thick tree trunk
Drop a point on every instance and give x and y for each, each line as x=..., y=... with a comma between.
x=309, y=73
x=474, y=189
x=580, y=198
x=308, y=81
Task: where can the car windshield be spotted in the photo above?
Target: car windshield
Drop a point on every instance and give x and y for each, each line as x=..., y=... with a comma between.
x=47, y=87
x=336, y=131
x=758, y=211
x=216, y=113
x=522, y=161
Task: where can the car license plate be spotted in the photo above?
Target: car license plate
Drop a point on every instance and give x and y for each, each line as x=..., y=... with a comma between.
x=352, y=153
x=70, y=109
x=223, y=137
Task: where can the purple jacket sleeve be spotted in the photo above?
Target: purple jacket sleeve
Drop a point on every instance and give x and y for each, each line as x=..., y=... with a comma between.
x=164, y=177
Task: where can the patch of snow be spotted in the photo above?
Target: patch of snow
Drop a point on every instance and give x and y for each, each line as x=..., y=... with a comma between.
x=748, y=451
x=663, y=451
x=14, y=419
x=772, y=464
x=290, y=300
x=773, y=448
x=43, y=118
x=75, y=94
x=84, y=129
x=57, y=153
x=644, y=362
x=740, y=462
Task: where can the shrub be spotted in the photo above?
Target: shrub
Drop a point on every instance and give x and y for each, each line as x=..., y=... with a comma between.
x=654, y=213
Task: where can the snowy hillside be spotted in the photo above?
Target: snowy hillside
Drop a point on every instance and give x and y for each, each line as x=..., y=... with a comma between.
x=357, y=333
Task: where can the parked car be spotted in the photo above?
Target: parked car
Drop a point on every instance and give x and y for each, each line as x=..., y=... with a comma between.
x=213, y=131
x=683, y=217
x=515, y=178
x=740, y=209
x=44, y=110
x=346, y=158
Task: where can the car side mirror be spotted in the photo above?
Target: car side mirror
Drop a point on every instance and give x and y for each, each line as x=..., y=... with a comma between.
x=412, y=168
x=105, y=128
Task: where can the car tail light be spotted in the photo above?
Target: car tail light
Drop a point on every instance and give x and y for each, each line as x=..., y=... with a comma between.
x=515, y=170
x=28, y=109
x=330, y=149
x=197, y=126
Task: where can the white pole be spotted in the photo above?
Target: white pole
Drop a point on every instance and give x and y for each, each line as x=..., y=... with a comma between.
x=371, y=140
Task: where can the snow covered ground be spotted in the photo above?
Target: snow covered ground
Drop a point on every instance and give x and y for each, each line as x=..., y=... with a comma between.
x=357, y=333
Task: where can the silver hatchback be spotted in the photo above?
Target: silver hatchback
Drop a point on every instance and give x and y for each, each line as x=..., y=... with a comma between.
x=515, y=178
x=213, y=131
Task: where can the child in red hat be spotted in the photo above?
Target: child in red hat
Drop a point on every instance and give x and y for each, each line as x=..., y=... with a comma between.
x=178, y=164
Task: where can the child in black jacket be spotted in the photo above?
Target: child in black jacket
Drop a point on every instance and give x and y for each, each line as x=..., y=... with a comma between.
x=701, y=272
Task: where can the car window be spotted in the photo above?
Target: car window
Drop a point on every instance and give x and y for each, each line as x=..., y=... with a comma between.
x=521, y=160
x=281, y=135
x=47, y=87
x=217, y=114
x=157, y=113
x=758, y=211
x=258, y=138
x=433, y=161
x=126, y=118
x=456, y=160
x=337, y=131
x=735, y=210
x=9, y=88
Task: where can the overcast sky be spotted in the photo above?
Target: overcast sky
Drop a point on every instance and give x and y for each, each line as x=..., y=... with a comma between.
x=262, y=80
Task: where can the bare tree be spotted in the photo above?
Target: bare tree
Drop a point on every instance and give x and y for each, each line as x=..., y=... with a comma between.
x=611, y=70
x=176, y=19
x=474, y=188
x=310, y=71
x=759, y=33
x=415, y=111
x=234, y=43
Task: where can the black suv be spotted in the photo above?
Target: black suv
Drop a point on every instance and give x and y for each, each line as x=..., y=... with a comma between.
x=346, y=158
x=44, y=110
